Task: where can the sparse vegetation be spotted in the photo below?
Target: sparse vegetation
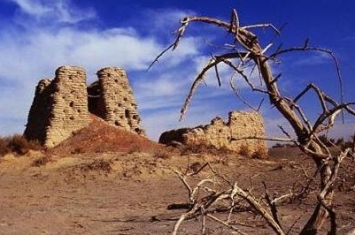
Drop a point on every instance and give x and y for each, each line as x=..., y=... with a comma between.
x=131, y=192
x=78, y=150
x=244, y=151
x=259, y=154
x=17, y=144
x=329, y=142
x=41, y=161
x=192, y=149
x=162, y=154
x=100, y=165
x=202, y=149
x=134, y=149
x=4, y=146
x=279, y=145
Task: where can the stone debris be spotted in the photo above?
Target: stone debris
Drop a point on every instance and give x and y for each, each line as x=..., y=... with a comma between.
x=224, y=135
x=63, y=105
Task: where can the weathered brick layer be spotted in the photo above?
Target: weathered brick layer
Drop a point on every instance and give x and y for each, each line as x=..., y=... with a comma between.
x=61, y=106
x=231, y=135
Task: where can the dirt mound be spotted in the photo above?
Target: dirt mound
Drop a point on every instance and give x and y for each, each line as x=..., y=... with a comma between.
x=99, y=137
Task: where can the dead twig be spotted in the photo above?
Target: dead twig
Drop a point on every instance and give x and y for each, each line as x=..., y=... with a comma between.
x=201, y=205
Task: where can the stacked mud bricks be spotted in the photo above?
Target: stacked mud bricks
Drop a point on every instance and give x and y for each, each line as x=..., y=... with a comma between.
x=115, y=103
x=63, y=105
x=237, y=134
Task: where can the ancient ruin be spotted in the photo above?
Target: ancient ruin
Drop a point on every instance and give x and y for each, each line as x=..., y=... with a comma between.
x=63, y=105
x=111, y=98
x=231, y=135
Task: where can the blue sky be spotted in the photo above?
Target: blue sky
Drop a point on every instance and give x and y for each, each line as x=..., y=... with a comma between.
x=37, y=36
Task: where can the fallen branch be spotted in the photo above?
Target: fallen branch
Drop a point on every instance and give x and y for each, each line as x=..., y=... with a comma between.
x=201, y=206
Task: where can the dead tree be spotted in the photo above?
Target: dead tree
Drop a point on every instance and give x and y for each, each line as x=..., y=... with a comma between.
x=245, y=50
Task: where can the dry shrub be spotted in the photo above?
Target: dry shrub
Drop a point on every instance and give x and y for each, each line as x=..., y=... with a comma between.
x=190, y=149
x=97, y=165
x=260, y=153
x=17, y=144
x=78, y=150
x=134, y=149
x=202, y=148
x=4, y=148
x=41, y=161
x=162, y=154
x=245, y=150
x=195, y=167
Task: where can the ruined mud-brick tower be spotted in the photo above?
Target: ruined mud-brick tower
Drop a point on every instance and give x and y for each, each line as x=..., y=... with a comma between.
x=59, y=107
x=63, y=106
x=38, y=118
x=118, y=106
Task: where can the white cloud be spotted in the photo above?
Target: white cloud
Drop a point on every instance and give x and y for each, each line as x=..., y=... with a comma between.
x=164, y=85
x=165, y=18
x=33, y=8
x=55, y=10
x=29, y=56
x=161, y=21
x=34, y=52
x=312, y=59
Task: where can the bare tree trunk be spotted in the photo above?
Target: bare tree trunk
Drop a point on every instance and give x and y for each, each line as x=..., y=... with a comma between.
x=307, y=133
x=320, y=214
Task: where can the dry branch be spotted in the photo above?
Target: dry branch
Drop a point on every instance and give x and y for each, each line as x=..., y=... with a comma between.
x=201, y=206
x=247, y=51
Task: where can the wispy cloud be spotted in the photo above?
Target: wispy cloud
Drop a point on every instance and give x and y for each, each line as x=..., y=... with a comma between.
x=60, y=11
x=33, y=8
x=37, y=49
x=312, y=59
x=158, y=19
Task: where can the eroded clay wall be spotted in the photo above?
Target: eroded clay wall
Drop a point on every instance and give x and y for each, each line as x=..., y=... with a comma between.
x=247, y=124
x=38, y=118
x=117, y=102
x=228, y=135
x=60, y=107
x=70, y=104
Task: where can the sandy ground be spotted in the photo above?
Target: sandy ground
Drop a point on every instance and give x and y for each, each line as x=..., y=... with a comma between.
x=128, y=193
